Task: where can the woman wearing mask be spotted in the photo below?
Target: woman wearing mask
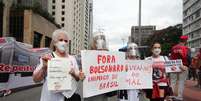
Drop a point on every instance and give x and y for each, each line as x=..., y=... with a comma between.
x=160, y=80
x=98, y=43
x=60, y=41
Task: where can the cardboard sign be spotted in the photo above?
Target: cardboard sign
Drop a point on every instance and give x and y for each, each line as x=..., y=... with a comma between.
x=109, y=71
x=139, y=74
x=58, y=76
x=173, y=66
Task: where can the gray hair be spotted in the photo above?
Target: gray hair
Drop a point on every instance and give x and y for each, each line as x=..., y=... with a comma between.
x=57, y=32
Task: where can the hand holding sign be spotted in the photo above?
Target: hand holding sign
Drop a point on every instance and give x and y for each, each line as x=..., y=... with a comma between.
x=184, y=68
x=72, y=71
x=109, y=71
x=45, y=58
x=81, y=75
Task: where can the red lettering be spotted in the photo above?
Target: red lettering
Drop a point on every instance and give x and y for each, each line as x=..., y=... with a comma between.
x=91, y=69
x=110, y=68
x=114, y=76
x=106, y=85
x=14, y=69
x=103, y=59
x=106, y=68
x=21, y=68
x=1, y=67
x=7, y=68
x=134, y=82
x=99, y=59
x=113, y=59
x=102, y=69
x=106, y=59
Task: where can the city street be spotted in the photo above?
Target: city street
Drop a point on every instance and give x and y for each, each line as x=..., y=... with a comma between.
x=191, y=93
x=32, y=94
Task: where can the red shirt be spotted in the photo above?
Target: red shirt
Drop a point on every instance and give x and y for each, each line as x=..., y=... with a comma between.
x=180, y=52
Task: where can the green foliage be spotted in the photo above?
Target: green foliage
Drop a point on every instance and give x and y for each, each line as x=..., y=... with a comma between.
x=166, y=37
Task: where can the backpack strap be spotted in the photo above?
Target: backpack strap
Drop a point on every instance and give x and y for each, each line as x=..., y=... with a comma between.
x=165, y=58
x=53, y=55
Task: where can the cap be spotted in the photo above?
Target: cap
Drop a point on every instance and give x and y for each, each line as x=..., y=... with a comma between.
x=184, y=37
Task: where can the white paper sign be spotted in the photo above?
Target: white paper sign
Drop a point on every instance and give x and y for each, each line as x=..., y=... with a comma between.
x=139, y=74
x=173, y=66
x=58, y=77
x=109, y=71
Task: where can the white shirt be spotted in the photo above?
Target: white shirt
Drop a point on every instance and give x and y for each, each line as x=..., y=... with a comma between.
x=133, y=95
x=47, y=95
x=159, y=59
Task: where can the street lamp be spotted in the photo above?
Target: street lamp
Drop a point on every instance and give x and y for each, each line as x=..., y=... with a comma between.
x=139, y=24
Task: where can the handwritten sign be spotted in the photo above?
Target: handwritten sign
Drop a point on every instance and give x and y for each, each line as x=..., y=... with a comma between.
x=139, y=74
x=109, y=71
x=58, y=76
x=173, y=66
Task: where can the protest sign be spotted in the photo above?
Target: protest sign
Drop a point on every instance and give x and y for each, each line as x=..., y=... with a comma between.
x=109, y=71
x=173, y=66
x=15, y=68
x=101, y=69
x=58, y=76
x=139, y=74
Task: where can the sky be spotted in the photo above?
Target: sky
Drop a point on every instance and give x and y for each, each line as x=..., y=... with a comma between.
x=115, y=17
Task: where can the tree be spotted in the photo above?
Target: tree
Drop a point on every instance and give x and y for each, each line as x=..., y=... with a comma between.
x=167, y=37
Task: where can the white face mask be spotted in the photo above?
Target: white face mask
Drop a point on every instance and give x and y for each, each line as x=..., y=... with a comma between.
x=157, y=51
x=132, y=52
x=132, y=49
x=61, y=46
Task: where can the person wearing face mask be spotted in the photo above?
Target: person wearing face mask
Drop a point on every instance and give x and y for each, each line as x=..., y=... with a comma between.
x=99, y=43
x=160, y=80
x=132, y=53
x=180, y=51
x=198, y=65
x=60, y=41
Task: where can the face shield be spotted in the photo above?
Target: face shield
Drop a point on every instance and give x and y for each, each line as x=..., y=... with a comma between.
x=132, y=50
x=100, y=42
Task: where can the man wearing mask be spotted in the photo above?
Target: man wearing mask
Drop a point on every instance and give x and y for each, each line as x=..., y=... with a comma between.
x=180, y=51
x=132, y=53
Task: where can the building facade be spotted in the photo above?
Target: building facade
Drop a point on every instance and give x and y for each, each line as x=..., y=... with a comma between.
x=146, y=31
x=31, y=3
x=192, y=22
x=74, y=17
x=25, y=25
x=90, y=21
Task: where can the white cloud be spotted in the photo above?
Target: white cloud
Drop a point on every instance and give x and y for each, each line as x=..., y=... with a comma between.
x=117, y=16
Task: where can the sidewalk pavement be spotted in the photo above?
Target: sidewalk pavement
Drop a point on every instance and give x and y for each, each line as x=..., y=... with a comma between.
x=191, y=92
